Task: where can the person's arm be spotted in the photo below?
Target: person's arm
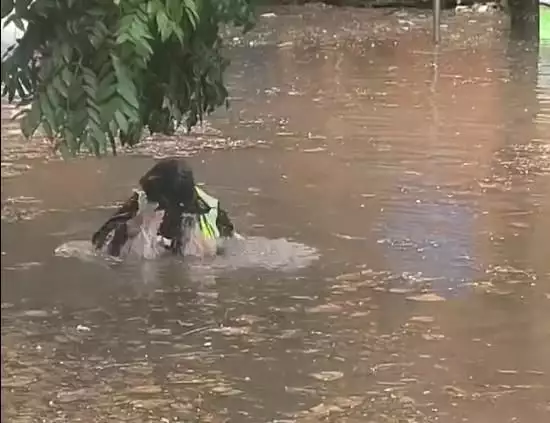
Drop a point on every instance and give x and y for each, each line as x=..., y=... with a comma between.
x=117, y=223
x=224, y=224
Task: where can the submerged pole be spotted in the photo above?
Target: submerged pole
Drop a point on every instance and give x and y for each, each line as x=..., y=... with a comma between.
x=437, y=20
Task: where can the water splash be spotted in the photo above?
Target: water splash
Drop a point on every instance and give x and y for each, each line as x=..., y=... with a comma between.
x=246, y=253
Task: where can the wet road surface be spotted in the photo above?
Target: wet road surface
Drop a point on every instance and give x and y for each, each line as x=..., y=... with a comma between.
x=399, y=203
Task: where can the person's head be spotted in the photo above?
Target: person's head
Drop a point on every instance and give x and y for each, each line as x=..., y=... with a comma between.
x=170, y=183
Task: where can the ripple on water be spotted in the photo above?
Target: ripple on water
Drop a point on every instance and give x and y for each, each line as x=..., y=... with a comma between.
x=259, y=252
x=247, y=253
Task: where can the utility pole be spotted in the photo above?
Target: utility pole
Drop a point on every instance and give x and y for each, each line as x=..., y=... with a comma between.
x=437, y=20
x=524, y=19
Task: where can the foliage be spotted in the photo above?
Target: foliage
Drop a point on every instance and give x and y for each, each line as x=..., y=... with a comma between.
x=97, y=71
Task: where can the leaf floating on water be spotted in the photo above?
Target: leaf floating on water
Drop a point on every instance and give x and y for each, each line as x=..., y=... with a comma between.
x=349, y=276
x=349, y=237
x=324, y=308
x=145, y=389
x=187, y=379
x=289, y=334
x=314, y=150
x=225, y=390
x=347, y=402
x=182, y=406
x=343, y=287
x=36, y=313
x=507, y=269
x=507, y=372
x=249, y=318
x=333, y=405
x=299, y=390
x=71, y=396
x=360, y=314
x=499, y=291
x=426, y=298
x=328, y=376
x=399, y=290
x=455, y=391
x=489, y=288
x=527, y=386
x=323, y=409
x=422, y=319
x=433, y=336
x=159, y=332
x=230, y=330
x=138, y=369
x=519, y=225
x=302, y=297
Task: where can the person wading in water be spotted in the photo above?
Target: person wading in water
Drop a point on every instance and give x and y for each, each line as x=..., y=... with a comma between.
x=168, y=213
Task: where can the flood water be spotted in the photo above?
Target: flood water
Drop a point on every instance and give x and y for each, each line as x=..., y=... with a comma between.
x=397, y=200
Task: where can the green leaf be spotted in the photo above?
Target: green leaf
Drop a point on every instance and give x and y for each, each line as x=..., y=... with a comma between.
x=93, y=115
x=164, y=25
x=193, y=15
x=180, y=34
x=31, y=120
x=97, y=139
x=121, y=121
x=78, y=120
x=112, y=66
x=67, y=76
x=175, y=9
x=48, y=113
x=127, y=91
x=70, y=140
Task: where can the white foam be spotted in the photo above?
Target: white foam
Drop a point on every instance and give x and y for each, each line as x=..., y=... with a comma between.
x=238, y=253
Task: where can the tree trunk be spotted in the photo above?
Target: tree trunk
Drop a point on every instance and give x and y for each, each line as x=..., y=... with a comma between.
x=524, y=19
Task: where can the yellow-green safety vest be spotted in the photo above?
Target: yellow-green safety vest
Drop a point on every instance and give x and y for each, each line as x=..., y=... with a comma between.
x=207, y=222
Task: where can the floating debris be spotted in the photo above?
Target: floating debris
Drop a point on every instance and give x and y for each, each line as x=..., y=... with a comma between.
x=429, y=297
x=225, y=390
x=433, y=336
x=145, y=389
x=455, y=391
x=507, y=372
x=65, y=397
x=36, y=313
x=324, y=308
x=328, y=376
x=422, y=319
x=231, y=331
x=159, y=332
x=400, y=290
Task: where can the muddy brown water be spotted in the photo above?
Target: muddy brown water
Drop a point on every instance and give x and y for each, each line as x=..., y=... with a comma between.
x=420, y=178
